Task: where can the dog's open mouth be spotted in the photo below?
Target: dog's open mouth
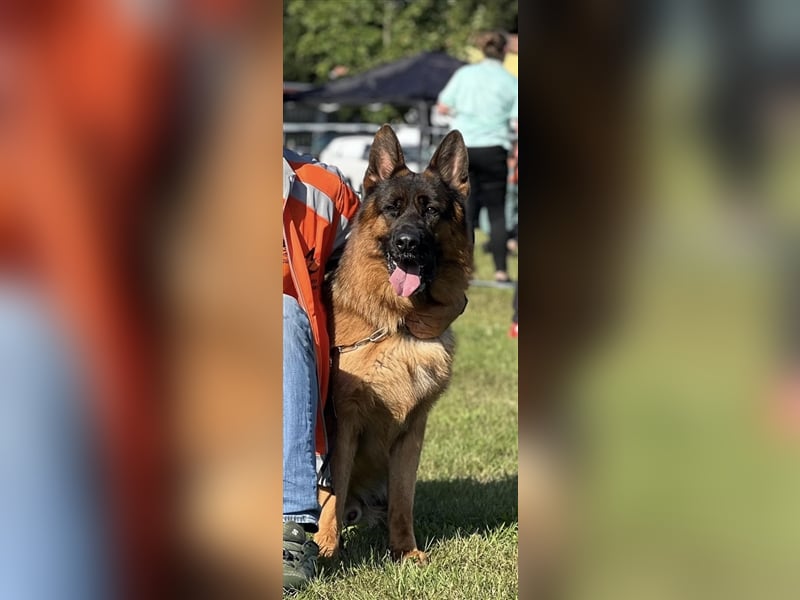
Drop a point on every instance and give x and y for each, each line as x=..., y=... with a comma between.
x=405, y=278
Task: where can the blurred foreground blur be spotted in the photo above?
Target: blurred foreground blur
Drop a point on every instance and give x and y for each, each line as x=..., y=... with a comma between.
x=684, y=412
x=106, y=110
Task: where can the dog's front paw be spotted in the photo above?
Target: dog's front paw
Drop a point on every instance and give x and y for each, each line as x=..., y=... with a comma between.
x=328, y=543
x=415, y=555
x=418, y=556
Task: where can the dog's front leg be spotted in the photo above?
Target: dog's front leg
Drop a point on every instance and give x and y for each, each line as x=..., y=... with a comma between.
x=403, y=463
x=332, y=514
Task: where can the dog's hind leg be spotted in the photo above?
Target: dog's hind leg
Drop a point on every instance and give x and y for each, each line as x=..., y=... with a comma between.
x=403, y=463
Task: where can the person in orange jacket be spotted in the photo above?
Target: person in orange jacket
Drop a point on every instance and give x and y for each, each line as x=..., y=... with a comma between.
x=318, y=208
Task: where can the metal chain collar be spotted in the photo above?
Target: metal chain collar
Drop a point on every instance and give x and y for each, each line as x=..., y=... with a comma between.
x=376, y=336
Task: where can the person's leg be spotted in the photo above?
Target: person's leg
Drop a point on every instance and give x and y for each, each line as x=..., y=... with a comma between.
x=515, y=305
x=514, y=329
x=53, y=517
x=512, y=216
x=512, y=197
x=300, y=400
x=488, y=173
x=493, y=197
x=495, y=206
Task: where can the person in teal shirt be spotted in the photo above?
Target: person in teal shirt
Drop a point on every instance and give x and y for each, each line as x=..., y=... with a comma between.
x=482, y=99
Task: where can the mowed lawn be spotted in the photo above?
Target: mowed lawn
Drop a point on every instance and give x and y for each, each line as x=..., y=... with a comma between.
x=466, y=500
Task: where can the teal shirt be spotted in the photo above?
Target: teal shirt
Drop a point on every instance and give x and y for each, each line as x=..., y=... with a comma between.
x=482, y=98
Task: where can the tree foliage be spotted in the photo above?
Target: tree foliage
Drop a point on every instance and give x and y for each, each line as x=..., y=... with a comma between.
x=359, y=34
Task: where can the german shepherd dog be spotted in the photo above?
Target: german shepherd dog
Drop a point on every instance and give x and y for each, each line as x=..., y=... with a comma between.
x=408, y=249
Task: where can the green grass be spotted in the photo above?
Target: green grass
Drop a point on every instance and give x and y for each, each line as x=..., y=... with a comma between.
x=466, y=498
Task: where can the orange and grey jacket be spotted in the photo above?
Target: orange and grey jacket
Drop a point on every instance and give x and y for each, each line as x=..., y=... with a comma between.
x=318, y=207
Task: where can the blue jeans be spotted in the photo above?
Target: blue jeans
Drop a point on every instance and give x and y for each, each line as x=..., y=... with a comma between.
x=300, y=403
x=53, y=532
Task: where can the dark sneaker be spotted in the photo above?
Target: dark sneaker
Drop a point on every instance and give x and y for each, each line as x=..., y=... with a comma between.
x=299, y=557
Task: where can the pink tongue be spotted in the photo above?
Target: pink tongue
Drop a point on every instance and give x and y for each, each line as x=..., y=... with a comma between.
x=405, y=282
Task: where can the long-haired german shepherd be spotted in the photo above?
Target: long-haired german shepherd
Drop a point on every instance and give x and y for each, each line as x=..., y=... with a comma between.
x=408, y=248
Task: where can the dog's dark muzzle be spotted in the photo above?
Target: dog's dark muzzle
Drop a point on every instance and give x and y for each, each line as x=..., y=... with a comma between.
x=410, y=245
x=409, y=258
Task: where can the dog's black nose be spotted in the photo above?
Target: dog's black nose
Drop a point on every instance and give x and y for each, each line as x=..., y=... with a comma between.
x=406, y=242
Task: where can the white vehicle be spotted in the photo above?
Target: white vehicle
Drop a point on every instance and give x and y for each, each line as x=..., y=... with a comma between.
x=350, y=154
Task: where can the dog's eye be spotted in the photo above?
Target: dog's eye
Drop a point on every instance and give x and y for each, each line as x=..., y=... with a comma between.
x=392, y=207
x=432, y=211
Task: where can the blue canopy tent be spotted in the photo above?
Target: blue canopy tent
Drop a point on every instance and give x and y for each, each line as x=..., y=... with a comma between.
x=414, y=81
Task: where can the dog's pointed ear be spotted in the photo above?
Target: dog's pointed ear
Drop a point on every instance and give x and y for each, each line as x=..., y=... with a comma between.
x=385, y=157
x=451, y=162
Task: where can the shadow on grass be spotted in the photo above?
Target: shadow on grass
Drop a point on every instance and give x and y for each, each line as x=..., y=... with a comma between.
x=463, y=506
x=443, y=510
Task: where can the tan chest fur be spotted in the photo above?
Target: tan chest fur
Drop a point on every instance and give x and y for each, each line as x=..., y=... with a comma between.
x=379, y=385
x=397, y=374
